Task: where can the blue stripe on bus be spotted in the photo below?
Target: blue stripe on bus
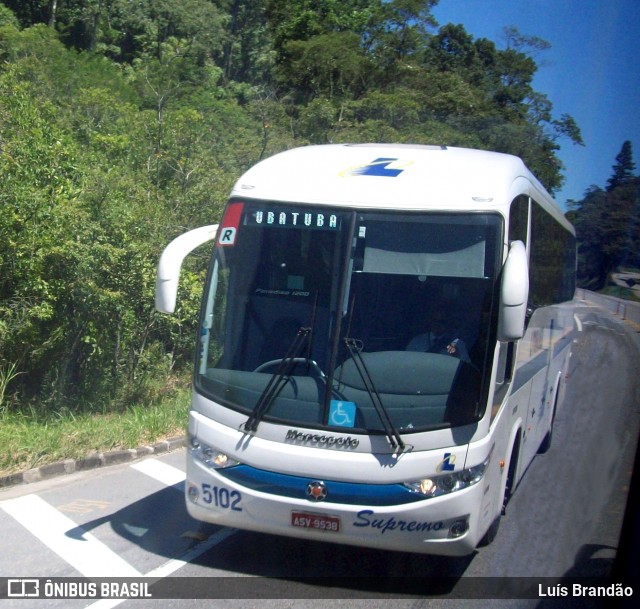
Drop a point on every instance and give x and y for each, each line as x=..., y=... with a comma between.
x=562, y=344
x=525, y=373
x=337, y=492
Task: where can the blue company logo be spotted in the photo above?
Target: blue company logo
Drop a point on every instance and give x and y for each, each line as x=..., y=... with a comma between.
x=448, y=463
x=382, y=167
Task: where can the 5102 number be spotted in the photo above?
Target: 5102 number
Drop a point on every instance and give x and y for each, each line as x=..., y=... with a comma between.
x=222, y=497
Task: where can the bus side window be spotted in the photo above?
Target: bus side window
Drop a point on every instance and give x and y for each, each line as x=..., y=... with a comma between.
x=552, y=260
x=519, y=219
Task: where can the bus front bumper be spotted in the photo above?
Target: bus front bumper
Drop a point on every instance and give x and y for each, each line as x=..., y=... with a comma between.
x=442, y=525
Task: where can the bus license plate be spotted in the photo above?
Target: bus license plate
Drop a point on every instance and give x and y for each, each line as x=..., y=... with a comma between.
x=319, y=522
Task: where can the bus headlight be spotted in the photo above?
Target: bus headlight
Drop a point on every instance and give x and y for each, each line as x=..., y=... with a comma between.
x=435, y=486
x=209, y=455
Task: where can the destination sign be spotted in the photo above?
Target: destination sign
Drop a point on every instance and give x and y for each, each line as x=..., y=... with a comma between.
x=293, y=219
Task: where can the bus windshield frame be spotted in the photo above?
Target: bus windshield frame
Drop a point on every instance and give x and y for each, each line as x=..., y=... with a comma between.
x=319, y=317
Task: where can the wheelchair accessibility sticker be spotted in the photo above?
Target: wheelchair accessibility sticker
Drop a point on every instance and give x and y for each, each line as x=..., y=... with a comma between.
x=342, y=414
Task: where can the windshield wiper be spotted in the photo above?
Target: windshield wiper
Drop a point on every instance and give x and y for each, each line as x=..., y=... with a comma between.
x=393, y=435
x=277, y=381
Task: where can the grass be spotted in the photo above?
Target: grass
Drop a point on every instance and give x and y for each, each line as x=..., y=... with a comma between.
x=29, y=439
x=620, y=292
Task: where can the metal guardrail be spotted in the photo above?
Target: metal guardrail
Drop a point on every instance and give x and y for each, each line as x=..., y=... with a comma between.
x=624, y=309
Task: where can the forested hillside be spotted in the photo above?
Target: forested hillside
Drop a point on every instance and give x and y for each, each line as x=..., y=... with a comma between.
x=125, y=122
x=607, y=222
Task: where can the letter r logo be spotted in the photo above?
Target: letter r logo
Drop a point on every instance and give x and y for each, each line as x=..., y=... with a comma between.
x=227, y=236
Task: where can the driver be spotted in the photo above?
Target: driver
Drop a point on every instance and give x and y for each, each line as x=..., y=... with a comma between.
x=439, y=338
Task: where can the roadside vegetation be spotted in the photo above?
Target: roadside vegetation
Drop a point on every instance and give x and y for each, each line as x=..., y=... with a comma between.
x=31, y=438
x=621, y=292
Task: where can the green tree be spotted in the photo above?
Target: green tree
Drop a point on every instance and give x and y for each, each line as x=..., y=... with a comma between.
x=84, y=220
x=38, y=240
x=587, y=215
x=327, y=65
x=608, y=224
x=7, y=18
x=398, y=31
x=623, y=169
x=30, y=12
x=247, y=53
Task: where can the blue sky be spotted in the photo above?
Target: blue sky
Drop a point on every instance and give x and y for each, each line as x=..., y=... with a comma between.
x=591, y=71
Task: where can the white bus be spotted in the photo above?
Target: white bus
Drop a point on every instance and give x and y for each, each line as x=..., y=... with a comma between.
x=321, y=409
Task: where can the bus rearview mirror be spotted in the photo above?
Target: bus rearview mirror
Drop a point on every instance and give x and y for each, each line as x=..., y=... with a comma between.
x=514, y=293
x=168, y=274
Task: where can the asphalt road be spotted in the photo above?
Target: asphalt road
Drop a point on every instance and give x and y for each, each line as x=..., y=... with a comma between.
x=564, y=520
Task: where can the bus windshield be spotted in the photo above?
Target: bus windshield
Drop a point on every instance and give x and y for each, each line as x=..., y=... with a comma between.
x=359, y=321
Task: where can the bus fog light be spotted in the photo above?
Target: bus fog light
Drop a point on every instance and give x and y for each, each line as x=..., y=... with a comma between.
x=193, y=493
x=459, y=527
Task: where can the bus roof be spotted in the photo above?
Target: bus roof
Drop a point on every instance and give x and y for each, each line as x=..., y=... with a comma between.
x=398, y=176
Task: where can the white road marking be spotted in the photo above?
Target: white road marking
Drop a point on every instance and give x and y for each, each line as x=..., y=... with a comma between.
x=578, y=322
x=83, y=551
x=167, y=474
x=172, y=566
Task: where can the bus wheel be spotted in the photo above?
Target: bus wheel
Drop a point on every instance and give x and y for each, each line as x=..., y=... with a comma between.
x=511, y=475
x=491, y=533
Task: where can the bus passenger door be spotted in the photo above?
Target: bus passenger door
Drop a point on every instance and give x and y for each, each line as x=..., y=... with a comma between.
x=535, y=417
x=539, y=371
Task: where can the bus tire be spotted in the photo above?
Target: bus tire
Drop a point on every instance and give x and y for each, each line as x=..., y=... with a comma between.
x=492, y=531
x=491, y=534
x=511, y=474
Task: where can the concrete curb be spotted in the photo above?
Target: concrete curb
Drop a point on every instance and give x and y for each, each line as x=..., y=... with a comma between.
x=70, y=466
